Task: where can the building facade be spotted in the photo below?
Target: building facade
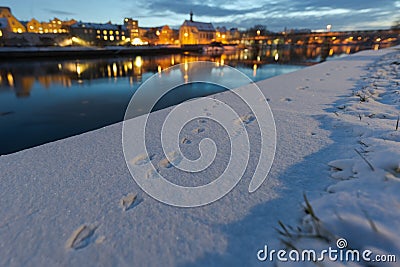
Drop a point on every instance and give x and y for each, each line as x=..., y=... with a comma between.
x=53, y=26
x=194, y=32
x=132, y=27
x=13, y=25
x=89, y=34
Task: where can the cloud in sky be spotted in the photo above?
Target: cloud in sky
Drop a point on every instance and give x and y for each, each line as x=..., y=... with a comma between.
x=56, y=12
x=313, y=14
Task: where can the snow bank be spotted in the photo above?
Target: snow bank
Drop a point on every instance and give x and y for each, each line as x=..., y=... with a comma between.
x=74, y=203
x=363, y=207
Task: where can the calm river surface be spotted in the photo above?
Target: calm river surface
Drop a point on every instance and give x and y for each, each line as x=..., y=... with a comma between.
x=46, y=100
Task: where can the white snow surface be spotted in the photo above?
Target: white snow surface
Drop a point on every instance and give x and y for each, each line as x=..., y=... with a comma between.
x=74, y=203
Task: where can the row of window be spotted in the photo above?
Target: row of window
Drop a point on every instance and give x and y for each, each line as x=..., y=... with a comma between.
x=111, y=38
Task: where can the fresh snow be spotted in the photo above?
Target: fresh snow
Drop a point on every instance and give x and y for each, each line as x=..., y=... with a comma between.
x=74, y=203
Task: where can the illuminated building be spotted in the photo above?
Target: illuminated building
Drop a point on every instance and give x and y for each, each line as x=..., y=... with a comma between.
x=221, y=35
x=13, y=25
x=87, y=34
x=165, y=35
x=53, y=26
x=194, y=32
x=132, y=27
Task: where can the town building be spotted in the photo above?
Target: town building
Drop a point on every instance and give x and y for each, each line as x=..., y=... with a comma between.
x=13, y=24
x=221, y=35
x=89, y=34
x=132, y=27
x=53, y=26
x=165, y=35
x=194, y=32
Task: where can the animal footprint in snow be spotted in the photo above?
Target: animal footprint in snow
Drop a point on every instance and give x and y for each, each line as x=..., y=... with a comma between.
x=173, y=159
x=246, y=119
x=184, y=140
x=152, y=173
x=81, y=237
x=198, y=130
x=286, y=99
x=302, y=87
x=128, y=201
x=343, y=169
x=142, y=159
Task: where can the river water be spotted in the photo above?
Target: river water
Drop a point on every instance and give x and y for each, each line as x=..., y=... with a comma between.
x=46, y=100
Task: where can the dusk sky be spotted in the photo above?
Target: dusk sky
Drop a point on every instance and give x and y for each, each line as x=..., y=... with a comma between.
x=312, y=14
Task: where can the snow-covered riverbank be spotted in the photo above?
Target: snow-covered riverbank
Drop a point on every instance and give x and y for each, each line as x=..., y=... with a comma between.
x=67, y=202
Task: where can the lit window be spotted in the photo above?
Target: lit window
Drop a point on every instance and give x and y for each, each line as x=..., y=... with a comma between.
x=123, y=33
x=123, y=38
x=104, y=32
x=19, y=30
x=98, y=31
x=111, y=32
x=111, y=38
x=117, y=32
x=31, y=27
x=1, y=33
x=98, y=36
x=59, y=22
x=105, y=38
x=55, y=31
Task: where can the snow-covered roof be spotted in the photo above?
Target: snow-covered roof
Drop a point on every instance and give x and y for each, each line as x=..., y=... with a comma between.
x=201, y=26
x=98, y=26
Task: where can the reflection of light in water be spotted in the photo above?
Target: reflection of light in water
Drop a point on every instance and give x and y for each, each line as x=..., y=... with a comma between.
x=348, y=50
x=114, y=67
x=108, y=71
x=10, y=79
x=159, y=69
x=186, y=66
x=130, y=65
x=331, y=52
x=254, y=70
x=138, y=61
x=222, y=61
x=59, y=66
x=172, y=60
x=78, y=69
x=376, y=47
x=276, y=57
x=258, y=58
